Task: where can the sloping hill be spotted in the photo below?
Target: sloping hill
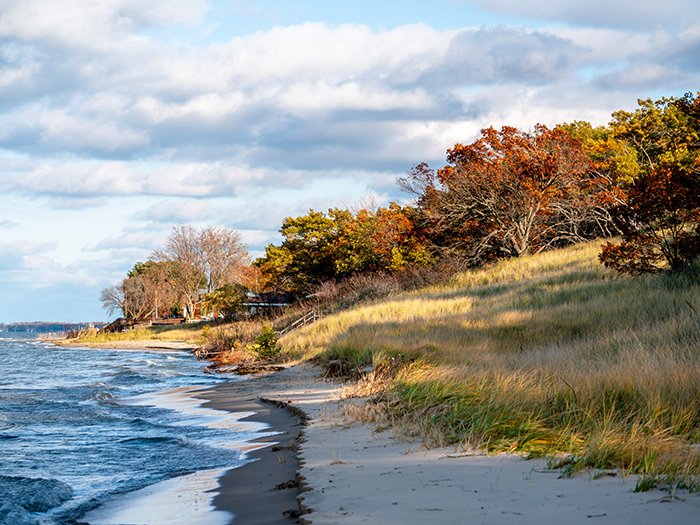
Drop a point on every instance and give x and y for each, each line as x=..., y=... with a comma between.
x=544, y=354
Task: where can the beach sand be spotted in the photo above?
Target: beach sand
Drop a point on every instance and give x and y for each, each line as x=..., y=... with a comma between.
x=355, y=474
x=264, y=491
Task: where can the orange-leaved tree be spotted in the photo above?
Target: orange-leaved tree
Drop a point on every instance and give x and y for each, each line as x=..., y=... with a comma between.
x=660, y=223
x=511, y=193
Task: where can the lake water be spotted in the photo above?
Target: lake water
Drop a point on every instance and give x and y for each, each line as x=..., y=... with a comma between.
x=79, y=427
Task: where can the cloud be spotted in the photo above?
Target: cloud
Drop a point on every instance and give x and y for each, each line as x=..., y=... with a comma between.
x=671, y=61
x=182, y=211
x=74, y=23
x=17, y=255
x=145, y=241
x=90, y=178
x=504, y=55
x=7, y=223
x=630, y=14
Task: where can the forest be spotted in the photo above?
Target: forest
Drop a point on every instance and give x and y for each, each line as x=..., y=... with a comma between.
x=510, y=193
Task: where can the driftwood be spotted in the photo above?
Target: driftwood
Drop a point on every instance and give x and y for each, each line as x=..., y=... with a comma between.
x=243, y=369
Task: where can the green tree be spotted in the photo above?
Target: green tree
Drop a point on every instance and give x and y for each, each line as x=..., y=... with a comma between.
x=664, y=131
x=306, y=256
x=225, y=301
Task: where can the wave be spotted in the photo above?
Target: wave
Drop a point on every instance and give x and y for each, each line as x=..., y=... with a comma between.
x=20, y=496
x=105, y=398
x=156, y=439
x=129, y=376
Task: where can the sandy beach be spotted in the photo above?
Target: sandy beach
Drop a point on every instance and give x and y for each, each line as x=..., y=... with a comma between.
x=323, y=467
x=354, y=474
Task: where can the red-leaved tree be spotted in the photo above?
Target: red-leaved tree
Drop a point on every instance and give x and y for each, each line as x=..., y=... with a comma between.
x=660, y=223
x=511, y=193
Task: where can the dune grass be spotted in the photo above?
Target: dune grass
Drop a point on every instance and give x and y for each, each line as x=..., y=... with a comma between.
x=544, y=355
x=186, y=333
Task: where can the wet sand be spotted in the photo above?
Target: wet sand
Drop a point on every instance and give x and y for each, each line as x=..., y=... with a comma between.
x=262, y=492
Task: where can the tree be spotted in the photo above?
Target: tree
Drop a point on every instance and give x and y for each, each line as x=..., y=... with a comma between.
x=660, y=220
x=321, y=247
x=511, y=193
x=660, y=223
x=216, y=252
x=112, y=299
x=224, y=301
x=665, y=131
x=307, y=254
x=610, y=156
x=198, y=262
x=385, y=240
x=143, y=293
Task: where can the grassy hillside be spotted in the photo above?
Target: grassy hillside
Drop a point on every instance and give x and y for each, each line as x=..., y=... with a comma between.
x=544, y=354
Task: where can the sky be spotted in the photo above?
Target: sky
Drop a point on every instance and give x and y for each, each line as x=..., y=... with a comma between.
x=120, y=119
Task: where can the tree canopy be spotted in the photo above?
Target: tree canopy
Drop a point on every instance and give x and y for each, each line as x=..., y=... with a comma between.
x=193, y=263
x=325, y=246
x=511, y=193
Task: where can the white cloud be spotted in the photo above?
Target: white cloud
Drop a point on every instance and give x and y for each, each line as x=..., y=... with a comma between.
x=636, y=14
x=78, y=178
x=178, y=211
x=78, y=23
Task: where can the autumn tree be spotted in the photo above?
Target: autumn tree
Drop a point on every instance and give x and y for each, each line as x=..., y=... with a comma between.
x=660, y=220
x=609, y=155
x=511, y=193
x=385, y=240
x=194, y=263
x=143, y=293
x=215, y=252
x=665, y=131
x=319, y=247
x=199, y=261
x=661, y=223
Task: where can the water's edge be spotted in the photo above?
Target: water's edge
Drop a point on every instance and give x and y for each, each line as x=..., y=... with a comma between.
x=81, y=429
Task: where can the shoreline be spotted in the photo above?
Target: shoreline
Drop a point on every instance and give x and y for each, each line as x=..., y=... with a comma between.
x=361, y=473
x=147, y=344
x=349, y=472
x=263, y=491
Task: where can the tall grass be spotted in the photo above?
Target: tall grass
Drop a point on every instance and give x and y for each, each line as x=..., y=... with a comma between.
x=544, y=354
x=187, y=333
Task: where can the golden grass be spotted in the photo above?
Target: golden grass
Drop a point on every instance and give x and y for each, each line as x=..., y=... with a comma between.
x=541, y=354
x=187, y=333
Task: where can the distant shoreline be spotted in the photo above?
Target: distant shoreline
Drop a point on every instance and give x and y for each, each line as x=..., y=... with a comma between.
x=150, y=344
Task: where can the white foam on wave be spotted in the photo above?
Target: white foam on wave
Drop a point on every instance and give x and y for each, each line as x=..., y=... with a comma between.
x=185, y=500
x=182, y=400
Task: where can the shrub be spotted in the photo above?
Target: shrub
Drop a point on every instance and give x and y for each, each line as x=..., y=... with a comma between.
x=265, y=344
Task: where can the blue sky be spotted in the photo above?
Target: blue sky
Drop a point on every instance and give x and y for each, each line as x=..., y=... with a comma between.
x=120, y=119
